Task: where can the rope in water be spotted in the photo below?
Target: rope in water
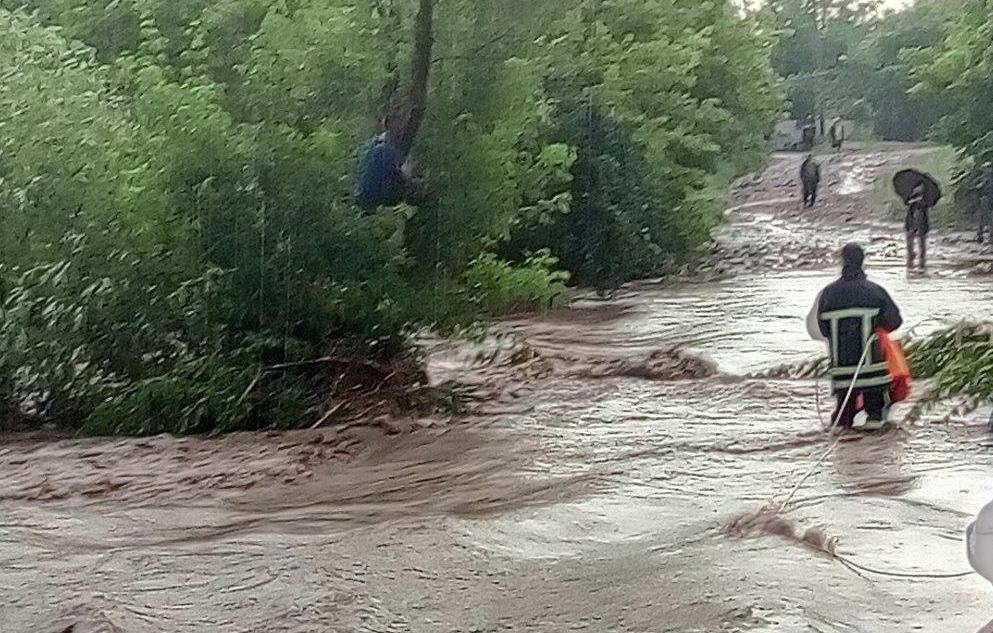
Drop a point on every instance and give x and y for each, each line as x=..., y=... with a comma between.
x=844, y=560
x=848, y=562
x=837, y=419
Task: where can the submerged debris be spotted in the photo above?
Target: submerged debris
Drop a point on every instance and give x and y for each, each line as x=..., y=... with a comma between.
x=768, y=521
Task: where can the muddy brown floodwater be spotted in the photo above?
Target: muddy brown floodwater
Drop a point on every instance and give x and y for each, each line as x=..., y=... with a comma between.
x=593, y=491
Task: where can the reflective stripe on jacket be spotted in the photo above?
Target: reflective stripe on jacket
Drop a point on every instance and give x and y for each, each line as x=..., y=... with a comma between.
x=849, y=312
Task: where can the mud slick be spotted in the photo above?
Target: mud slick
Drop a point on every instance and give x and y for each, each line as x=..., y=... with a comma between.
x=611, y=473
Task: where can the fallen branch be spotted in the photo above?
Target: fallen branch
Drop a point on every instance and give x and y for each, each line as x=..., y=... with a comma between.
x=327, y=360
x=327, y=416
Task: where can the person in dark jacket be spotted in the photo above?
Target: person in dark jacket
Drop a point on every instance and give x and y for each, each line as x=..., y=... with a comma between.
x=837, y=134
x=918, y=225
x=847, y=314
x=386, y=182
x=808, y=133
x=810, y=178
x=383, y=176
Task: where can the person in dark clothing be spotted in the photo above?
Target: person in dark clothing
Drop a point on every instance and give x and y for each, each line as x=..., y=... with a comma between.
x=837, y=134
x=386, y=182
x=809, y=132
x=984, y=192
x=918, y=225
x=383, y=177
x=810, y=178
x=847, y=314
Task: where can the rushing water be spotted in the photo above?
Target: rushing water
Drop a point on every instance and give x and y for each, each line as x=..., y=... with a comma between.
x=577, y=499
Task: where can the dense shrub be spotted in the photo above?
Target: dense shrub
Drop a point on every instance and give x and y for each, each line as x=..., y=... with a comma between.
x=176, y=176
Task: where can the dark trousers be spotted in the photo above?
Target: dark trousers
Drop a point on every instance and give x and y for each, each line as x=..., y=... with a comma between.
x=809, y=195
x=875, y=400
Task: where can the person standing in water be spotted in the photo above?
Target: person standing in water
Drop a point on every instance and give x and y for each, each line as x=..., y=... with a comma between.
x=810, y=178
x=846, y=315
x=917, y=225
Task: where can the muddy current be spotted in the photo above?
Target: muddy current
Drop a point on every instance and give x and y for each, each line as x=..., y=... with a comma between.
x=607, y=479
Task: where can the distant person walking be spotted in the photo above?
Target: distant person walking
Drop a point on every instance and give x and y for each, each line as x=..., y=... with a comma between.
x=810, y=179
x=837, y=133
x=984, y=203
x=808, y=133
x=920, y=192
x=917, y=225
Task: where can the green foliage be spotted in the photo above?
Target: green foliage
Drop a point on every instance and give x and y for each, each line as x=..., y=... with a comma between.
x=176, y=175
x=958, y=71
x=849, y=59
x=496, y=287
x=959, y=360
x=656, y=97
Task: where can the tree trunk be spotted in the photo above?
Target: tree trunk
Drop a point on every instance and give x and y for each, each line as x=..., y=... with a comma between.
x=420, y=71
x=391, y=41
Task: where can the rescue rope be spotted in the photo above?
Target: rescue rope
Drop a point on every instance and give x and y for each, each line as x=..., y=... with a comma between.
x=850, y=564
x=837, y=419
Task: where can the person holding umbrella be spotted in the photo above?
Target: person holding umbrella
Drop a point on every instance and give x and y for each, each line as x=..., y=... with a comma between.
x=917, y=225
x=920, y=192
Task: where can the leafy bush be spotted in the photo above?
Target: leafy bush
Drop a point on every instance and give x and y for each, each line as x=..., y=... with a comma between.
x=175, y=183
x=662, y=102
x=495, y=286
x=958, y=359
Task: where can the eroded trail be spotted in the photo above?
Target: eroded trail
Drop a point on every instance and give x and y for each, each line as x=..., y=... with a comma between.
x=591, y=492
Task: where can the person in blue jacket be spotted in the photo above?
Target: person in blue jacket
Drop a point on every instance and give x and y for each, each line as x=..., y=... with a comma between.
x=383, y=177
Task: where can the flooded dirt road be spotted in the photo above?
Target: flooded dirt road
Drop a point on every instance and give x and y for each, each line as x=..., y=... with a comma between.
x=589, y=493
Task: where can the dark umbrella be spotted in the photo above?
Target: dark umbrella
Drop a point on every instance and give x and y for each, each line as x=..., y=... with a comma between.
x=904, y=183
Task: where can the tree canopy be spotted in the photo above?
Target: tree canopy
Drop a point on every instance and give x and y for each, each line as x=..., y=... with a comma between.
x=857, y=60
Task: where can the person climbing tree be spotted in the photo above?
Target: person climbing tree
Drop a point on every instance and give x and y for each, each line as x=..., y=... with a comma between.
x=385, y=176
